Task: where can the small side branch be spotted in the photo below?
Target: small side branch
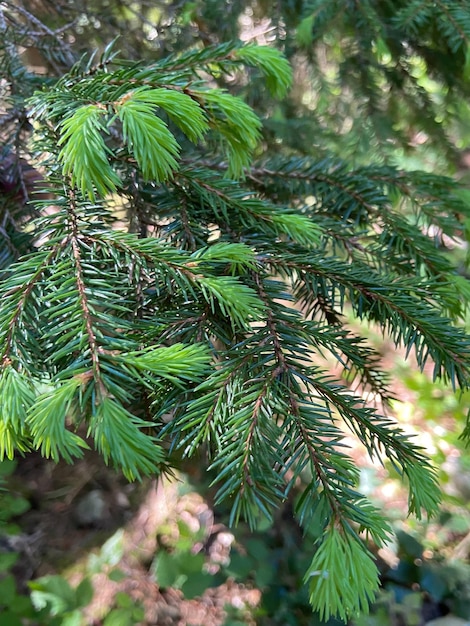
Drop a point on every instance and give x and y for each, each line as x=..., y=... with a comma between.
x=94, y=348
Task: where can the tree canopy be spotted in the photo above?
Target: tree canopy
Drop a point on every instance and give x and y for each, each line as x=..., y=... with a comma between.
x=189, y=221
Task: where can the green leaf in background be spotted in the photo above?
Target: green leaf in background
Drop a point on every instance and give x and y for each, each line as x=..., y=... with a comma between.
x=84, y=593
x=196, y=584
x=7, y=559
x=54, y=592
x=7, y=590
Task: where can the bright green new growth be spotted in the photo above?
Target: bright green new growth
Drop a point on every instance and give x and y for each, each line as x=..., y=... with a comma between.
x=182, y=110
x=84, y=154
x=179, y=296
x=85, y=157
x=148, y=139
x=238, y=126
x=276, y=69
x=342, y=578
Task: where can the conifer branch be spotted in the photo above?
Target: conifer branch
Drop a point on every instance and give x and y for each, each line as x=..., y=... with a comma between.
x=230, y=287
x=24, y=291
x=92, y=342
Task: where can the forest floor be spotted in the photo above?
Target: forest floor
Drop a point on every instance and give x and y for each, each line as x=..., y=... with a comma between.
x=76, y=509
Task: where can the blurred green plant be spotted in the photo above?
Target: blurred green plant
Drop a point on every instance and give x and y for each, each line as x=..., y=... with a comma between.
x=60, y=604
x=11, y=504
x=63, y=604
x=16, y=608
x=443, y=412
x=52, y=600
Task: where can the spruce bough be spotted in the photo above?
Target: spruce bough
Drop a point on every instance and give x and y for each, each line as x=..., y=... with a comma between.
x=179, y=289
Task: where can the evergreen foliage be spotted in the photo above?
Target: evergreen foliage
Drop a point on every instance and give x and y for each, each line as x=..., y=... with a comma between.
x=178, y=287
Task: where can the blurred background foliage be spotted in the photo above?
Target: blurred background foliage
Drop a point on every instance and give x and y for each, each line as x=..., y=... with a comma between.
x=376, y=81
